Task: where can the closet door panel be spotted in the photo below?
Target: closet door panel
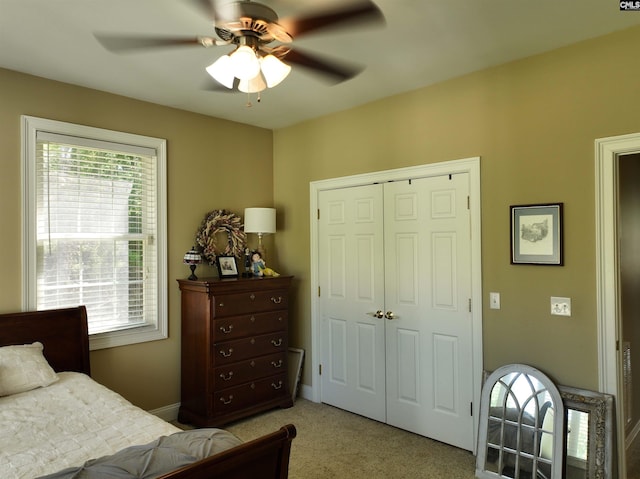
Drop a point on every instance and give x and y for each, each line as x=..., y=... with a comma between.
x=351, y=292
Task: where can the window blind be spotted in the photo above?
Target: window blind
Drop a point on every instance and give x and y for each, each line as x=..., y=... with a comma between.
x=96, y=225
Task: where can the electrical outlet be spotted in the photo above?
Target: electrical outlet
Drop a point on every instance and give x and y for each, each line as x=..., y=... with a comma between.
x=494, y=300
x=560, y=306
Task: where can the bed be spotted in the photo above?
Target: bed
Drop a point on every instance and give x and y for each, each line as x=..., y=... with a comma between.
x=56, y=422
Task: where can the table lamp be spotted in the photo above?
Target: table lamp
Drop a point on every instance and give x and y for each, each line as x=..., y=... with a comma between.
x=192, y=258
x=261, y=221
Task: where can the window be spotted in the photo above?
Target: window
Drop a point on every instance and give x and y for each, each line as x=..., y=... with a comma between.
x=94, y=228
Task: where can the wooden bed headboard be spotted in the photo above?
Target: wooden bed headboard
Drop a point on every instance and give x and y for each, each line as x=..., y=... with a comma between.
x=63, y=332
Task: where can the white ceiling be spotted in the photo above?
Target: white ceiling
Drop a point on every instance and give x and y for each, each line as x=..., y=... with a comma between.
x=423, y=42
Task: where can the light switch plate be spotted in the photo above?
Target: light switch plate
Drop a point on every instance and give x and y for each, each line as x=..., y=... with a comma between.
x=560, y=306
x=494, y=300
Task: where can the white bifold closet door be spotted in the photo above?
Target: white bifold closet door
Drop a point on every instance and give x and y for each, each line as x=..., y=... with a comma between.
x=395, y=288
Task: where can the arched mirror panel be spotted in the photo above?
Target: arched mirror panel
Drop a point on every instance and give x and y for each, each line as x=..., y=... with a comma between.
x=521, y=426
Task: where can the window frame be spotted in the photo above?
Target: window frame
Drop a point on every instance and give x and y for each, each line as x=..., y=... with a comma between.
x=29, y=127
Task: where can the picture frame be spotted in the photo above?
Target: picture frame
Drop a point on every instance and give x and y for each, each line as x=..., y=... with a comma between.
x=227, y=266
x=295, y=359
x=537, y=234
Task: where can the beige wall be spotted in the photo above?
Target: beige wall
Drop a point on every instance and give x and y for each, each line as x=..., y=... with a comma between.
x=533, y=123
x=203, y=153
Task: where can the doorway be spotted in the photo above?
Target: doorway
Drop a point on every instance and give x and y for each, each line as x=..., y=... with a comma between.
x=628, y=231
x=616, y=267
x=468, y=170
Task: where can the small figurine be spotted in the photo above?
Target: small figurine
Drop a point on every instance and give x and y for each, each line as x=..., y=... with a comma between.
x=259, y=267
x=247, y=264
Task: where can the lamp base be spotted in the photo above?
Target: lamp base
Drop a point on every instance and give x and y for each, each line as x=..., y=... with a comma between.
x=193, y=276
x=260, y=248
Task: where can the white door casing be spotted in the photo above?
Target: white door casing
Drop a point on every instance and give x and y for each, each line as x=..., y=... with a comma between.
x=607, y=151
x=474, y=349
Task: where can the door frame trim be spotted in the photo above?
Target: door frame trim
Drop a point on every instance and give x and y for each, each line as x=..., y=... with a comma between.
x=607, y=151
x=466, y=165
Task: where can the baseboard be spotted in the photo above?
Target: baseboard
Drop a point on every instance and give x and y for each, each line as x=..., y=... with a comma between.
x=306, y=392
x=168, y=413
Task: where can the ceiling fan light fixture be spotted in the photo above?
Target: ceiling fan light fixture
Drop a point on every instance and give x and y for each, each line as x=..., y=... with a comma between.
x=274, y=70
x=244, y=63
x=255, y=85
x=222, y=71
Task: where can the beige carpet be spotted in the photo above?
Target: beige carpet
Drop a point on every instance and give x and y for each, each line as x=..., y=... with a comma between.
x=335, y=443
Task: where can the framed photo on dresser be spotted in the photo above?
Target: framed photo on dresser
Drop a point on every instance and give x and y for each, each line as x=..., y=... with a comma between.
x=227, y=266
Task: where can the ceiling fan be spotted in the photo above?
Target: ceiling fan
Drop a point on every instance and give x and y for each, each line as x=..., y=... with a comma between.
x=263, y=54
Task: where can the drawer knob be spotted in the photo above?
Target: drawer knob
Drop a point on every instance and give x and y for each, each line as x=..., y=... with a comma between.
x=226, y=377
x=252, y=297
x=277, y=343
x=227, y=401
x=276, y=365
x=226, y=354
x=277, y=300
x=252, y=319
x=226, y=330
x=277, y=386
x=221, y=305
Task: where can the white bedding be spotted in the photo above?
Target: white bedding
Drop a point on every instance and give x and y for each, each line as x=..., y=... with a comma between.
x=67, y=423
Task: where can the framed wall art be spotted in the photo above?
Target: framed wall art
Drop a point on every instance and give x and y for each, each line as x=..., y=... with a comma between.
x=227, y=266
x=536, y=234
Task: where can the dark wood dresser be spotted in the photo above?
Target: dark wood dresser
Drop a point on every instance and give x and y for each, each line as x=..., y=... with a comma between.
x=234, y=348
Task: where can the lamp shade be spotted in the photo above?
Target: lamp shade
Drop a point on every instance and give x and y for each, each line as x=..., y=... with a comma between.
x=192, y=257
x=274, y=70
x=245, y=63
x=260, y=220
x=255, y=85
x=221, y=70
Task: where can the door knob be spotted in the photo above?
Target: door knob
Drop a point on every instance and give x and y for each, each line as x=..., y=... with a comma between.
x=389, y=315
x=378, y=314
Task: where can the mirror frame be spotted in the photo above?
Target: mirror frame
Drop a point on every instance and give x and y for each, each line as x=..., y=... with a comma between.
x=559, y=431
x=599, y=406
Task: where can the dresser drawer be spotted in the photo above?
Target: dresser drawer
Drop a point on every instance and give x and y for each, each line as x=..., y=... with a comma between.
x=228, y=352
x=235, y=327
x=250, y=370
x=250, y=302
x=235, y=398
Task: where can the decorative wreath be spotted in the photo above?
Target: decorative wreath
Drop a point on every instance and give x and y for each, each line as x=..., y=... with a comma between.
x=218, y=221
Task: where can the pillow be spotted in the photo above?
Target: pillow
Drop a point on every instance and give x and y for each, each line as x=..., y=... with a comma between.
x=23, y=368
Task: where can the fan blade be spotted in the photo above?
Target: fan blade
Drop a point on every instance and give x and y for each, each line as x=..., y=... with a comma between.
x=123, y=44
x=332, y=70
x=217, y=12
x=207, y=7
x=361, y=11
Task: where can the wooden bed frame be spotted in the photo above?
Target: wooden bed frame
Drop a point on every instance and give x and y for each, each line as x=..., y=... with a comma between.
x=64, y=334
